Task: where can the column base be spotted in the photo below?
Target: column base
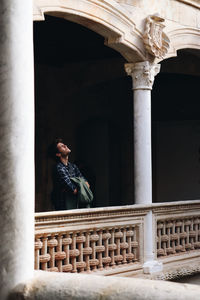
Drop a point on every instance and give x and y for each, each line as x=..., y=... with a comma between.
x=152, y=266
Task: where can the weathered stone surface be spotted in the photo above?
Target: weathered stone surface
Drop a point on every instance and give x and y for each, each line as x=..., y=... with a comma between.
x=53, y=286
x=122, y=23
x=17, y=144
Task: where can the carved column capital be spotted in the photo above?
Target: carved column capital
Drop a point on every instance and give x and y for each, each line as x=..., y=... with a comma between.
x=143, y=74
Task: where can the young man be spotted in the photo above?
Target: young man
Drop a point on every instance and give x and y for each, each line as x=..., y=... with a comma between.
x=64, y=195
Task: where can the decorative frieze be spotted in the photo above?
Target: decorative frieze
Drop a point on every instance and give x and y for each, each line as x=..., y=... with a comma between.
x=179, y=272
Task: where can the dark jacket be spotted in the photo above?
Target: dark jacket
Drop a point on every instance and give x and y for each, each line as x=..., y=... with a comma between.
x=63, y=196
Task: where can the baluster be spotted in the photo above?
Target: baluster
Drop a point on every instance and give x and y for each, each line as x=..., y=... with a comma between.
x=87, y=251
x=175, y=244
x=59, y=255
x=169, y=241
x=112, y=247
x=164, y=238
x=178, y=225
x=38, y=246
x=196, y=225
x=187, y=225
x=196, y=234
x=52, y=243
x=192, y=234
x=106, y=259
x=129, y=235
x=183, y=236
x=94, y=262
x=67, y=241
x=118, y=257
x=44, y=257
x=124, y=247
x=160, y=250
x=80, y=264
x=100, y=249
x=134, y=244
x=168, y=238
x=74, y=253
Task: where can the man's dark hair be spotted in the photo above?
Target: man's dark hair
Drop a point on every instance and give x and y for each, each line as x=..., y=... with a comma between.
x=53, y=150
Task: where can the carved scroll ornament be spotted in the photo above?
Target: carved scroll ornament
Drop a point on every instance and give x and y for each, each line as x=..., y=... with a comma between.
x=155, y=40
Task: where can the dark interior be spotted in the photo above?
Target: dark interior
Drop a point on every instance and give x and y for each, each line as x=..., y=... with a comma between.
x=83, y=95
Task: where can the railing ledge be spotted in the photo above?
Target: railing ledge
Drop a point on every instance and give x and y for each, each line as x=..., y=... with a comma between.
x=62, y=286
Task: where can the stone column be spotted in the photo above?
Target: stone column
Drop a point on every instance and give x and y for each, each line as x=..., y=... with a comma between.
x=17, y=144
x=143, y=74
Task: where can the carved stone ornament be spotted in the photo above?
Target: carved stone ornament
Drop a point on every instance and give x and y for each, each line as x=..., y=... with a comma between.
x=143, y=74
x=187, y=270
x=155, y=40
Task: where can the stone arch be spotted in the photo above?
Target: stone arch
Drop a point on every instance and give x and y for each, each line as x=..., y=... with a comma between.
x=183, y=38
x=75, y=84
x=108, y=19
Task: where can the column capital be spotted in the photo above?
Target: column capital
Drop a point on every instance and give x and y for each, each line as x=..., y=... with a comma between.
x=143, y=74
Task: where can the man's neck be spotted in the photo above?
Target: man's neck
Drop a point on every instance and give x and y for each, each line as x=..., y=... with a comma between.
x=64, y=160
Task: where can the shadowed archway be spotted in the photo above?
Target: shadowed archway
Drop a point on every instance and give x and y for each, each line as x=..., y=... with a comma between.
x=79, y=79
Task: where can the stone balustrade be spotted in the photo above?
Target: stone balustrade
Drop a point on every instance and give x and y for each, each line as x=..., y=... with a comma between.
x=111, y=240
x=178, y=228
x=86, y=250
x=178, y=235
x=88, y=240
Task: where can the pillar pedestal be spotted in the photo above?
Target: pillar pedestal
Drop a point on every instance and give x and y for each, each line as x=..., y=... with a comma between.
x=151, y=265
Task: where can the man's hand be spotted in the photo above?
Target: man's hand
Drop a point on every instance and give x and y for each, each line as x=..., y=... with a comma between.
x=87, y=184
x=75, y=191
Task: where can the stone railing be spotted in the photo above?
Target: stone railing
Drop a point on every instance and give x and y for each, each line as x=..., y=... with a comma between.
x=178, y=235
x=89, y=239
x=113, y=240
x=178, y=228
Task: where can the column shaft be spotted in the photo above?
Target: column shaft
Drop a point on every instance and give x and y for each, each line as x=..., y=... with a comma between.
x=17, y=144
x=142, y=147
x=143, y=74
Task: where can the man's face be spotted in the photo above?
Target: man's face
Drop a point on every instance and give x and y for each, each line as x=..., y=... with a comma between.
x=63, y=150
